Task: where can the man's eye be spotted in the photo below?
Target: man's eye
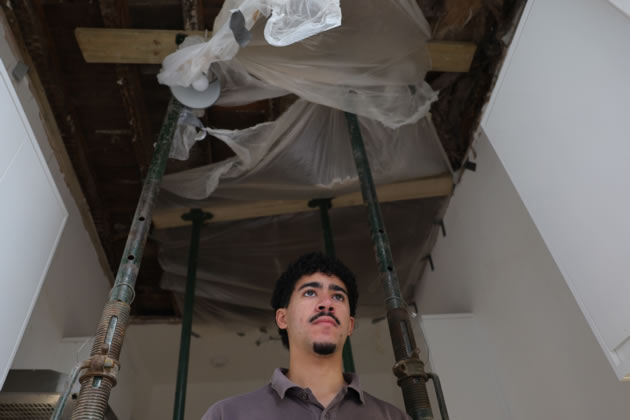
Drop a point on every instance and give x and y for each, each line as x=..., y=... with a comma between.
x=339, y=297
x=309, y=293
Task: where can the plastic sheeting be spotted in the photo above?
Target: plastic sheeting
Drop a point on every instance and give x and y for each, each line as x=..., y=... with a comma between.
x=239, y=262
x=372, y=65
x=288, y=21
x=238, y=87
x=306, y=153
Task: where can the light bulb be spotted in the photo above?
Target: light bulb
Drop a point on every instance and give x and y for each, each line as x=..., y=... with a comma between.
x=200, y=84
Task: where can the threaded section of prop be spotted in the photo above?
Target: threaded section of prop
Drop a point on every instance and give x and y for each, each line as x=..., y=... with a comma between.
x=92, y=403
x=95, y=391
x=416, y=398
x=120, y=310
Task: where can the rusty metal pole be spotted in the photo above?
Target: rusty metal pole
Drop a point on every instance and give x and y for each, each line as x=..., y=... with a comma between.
x=409, y=369
x=100, y=371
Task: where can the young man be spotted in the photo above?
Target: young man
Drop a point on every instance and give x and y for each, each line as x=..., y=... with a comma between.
x=315, y=302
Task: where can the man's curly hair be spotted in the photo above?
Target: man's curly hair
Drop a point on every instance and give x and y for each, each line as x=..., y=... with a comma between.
x=308, y=264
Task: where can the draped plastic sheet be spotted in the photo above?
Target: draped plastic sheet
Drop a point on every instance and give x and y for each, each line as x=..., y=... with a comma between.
x=372, y=65
x=306, y=154
x=239, y=262
x=289, y=21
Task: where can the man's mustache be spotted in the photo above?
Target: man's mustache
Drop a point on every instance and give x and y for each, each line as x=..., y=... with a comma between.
x=321, y=314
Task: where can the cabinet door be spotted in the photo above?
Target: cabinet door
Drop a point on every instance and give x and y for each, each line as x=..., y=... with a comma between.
x=562, y=134
x=32, y=217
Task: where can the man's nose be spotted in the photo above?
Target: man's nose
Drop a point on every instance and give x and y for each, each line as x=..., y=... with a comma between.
x=326, y=305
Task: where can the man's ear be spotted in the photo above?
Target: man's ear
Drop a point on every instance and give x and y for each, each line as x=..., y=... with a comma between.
x=351, y=326
x=281, y=318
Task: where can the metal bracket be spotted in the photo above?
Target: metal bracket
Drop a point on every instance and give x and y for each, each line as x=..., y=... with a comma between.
x=19, y=71
x=410, y=367
x=440, y=223
x=471, y=166
x=320, y=202
x=197, y=215
x=429, y=258
x=101, y=365
x=180, y=37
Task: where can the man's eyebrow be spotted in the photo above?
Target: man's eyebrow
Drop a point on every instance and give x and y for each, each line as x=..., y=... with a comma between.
x=314, y=284
x=338, y=288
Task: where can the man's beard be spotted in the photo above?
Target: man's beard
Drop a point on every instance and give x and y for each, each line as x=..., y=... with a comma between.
x=324, y=349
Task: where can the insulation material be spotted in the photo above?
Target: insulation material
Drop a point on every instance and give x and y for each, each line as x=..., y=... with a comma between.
x=306, y=154
x=372, y=65
x=239, y=262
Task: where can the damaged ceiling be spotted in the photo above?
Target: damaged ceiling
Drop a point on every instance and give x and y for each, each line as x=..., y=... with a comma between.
x=109, y=115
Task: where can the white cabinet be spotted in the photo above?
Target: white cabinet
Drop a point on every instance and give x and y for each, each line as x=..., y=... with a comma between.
x=559, y=120
x=32, y=217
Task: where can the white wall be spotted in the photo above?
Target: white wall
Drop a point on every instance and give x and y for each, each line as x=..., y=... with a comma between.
x=558, y=119
x=76, y=285
x=547, y=360
x=461, y=356
x=26, y=189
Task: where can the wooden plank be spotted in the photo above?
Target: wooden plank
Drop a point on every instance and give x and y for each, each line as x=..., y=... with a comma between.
x=150, y=46
x=437, y=186
x=130, y=46
x=451, y=56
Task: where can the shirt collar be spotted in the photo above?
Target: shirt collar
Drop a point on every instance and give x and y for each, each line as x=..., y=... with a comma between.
x=281, y=384
x=352, y=379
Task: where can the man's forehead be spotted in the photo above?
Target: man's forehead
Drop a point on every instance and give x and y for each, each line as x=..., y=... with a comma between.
x=322, y=278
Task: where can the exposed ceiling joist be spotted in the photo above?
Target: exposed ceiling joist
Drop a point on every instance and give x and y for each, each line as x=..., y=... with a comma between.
x=192, y=10
x=151, y=46
x=437, y=186
x=115, y=14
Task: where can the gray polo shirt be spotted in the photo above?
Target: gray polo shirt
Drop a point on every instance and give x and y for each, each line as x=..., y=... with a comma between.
x=282, y=399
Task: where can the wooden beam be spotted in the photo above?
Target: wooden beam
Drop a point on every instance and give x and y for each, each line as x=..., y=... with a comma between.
x=130, y=46
x=150, y=46
x=192, y=13
x=451, y=56
x=437, y=186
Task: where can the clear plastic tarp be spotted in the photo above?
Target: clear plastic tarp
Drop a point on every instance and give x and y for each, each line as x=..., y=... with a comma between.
x=240, y=261
x=305, y=154
x=367, y=57
x=373, y=64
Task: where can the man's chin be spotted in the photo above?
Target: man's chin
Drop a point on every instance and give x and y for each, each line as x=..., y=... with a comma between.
x=324, y=349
